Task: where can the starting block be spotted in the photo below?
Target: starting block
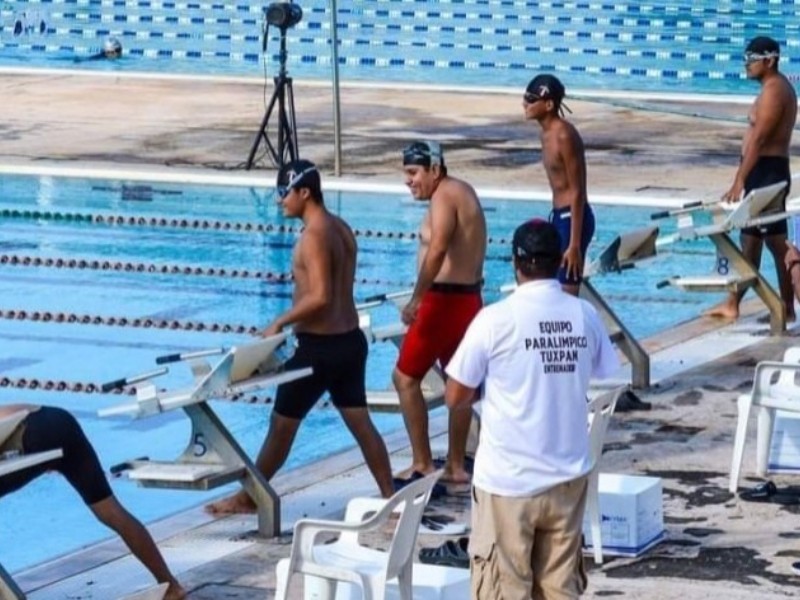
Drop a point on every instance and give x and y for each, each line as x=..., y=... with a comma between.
x=212, y=456
x=752, y=211
x=433, y=383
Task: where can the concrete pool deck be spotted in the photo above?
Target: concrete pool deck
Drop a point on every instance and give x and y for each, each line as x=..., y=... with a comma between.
x=716, y=546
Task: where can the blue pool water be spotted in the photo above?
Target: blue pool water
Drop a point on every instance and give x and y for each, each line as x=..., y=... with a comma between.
x=685, y=46
x=39, y=222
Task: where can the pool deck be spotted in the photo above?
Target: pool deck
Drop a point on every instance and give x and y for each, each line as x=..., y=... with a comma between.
x=716, y=545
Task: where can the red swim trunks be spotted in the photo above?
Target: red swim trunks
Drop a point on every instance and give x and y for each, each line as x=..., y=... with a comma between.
x=444, y=314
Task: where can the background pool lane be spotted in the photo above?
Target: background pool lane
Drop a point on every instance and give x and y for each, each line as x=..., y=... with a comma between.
x=47, y=518
x=663, y=46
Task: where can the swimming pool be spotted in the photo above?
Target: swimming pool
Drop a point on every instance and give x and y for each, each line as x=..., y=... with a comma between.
x=679, y=46
x=79, y=256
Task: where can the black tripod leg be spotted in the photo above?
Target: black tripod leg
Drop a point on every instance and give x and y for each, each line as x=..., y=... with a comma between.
x=290, y=122
x=262, y=130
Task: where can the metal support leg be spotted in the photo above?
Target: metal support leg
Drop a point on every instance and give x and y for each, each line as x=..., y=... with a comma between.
x=630, y=347
x=9, y=590
x=212, y=442
x=737, y=261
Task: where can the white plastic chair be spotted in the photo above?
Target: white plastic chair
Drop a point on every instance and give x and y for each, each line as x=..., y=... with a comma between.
x=600, y=411
x=348, y=561
x=775, y=387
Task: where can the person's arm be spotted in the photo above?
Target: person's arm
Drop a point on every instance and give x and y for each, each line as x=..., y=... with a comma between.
x=315, y=258
x=443, y=226
x=575, y=171
x=457, y=395
x=768, y=112
x=469, y=365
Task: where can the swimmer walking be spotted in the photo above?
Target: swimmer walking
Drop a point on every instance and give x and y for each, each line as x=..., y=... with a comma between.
x=447, y=295
x=325, y=321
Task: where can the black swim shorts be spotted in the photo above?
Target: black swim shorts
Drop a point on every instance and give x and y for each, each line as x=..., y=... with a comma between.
x=769, y=170
x=47, y=429
x=339, y=362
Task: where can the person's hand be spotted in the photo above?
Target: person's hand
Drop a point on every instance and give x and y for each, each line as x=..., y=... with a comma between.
x=572, y=261
x=735, y=193
x=272, y=329
x=409, y=312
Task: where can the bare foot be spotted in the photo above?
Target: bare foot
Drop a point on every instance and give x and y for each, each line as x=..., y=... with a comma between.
x=238, y=504
x=175, y=592
x=723, y=311
x=452, y=475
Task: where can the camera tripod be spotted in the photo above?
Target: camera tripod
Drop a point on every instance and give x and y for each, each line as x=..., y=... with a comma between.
x=286, y=149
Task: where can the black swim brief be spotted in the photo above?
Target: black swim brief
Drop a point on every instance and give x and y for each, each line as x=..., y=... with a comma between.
x=769, y=170
x=339, y=362
x=49, y=428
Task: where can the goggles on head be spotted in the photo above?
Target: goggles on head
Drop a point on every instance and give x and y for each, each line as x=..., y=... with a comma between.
x=752, y=57
x=425, y=154
x=294, y=179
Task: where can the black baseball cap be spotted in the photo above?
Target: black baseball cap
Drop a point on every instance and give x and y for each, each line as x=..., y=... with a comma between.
x=298, y=174
x=536, y=239
x=423, y=153
x=763, y=45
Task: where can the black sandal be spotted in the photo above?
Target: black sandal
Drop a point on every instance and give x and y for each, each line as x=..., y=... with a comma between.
x=450, y=554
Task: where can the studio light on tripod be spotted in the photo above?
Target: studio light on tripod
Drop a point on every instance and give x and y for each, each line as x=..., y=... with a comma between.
x=283, y=14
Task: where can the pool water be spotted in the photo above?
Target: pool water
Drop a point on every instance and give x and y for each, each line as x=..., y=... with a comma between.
x=59, y=220
x=662, y=46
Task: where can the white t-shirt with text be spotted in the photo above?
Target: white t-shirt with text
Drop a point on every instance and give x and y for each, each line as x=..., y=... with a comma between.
x=535, y=351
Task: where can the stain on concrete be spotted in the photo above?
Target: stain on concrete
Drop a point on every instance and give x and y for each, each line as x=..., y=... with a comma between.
x=682, y=520
x=701, y=532
x=690, y=398
x=741, y=565
x=705, y=495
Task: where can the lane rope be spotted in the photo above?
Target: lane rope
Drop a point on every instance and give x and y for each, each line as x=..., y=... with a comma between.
x=16, y=260
x=202, y=224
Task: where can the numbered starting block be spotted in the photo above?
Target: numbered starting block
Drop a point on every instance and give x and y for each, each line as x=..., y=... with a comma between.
x=433, y=383
x=734, y=273
x=212, y=457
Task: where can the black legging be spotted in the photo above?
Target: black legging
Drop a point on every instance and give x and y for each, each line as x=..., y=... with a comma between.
x=47, y=429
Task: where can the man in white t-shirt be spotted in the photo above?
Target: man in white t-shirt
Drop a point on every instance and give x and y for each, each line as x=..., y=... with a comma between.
x=535, y=352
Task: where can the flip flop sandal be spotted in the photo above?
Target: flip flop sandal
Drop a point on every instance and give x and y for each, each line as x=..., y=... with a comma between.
x=450, y=554
x=768, y=492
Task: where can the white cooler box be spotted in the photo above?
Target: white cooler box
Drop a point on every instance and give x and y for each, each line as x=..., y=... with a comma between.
x=631, y=514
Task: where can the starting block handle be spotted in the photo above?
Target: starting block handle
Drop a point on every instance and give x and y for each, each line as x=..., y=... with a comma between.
x=118, y=383
x=663, y=283
x=688, y=207
x=171, y=358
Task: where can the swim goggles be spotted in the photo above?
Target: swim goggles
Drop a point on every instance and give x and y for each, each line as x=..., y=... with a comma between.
x=294, y=179
x=752, y=57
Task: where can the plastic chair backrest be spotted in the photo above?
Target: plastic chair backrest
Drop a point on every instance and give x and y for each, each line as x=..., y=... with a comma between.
x=600, y=411
x=786, y=385
x=409, y=502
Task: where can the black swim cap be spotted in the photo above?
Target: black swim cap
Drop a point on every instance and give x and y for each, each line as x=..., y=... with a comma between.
x=424, y=154
x=763, y=45
x=299, y=174
x=546, y=87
